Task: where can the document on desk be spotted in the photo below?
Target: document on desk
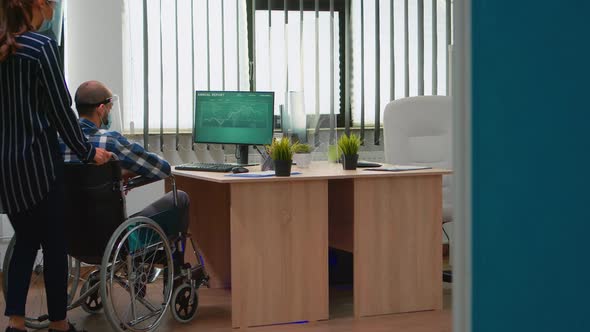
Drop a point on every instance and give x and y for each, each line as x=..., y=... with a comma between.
x=398, y=168
x=262, y=174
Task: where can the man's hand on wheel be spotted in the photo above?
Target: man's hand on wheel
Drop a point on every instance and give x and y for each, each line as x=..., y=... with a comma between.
x=101, y=156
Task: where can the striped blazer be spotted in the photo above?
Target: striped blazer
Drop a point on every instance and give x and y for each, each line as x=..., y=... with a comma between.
x=35, y=105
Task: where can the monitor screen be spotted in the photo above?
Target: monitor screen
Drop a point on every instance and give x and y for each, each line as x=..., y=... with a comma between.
x=226, y=117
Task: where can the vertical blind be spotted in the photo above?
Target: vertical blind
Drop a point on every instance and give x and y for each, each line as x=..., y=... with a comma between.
x=177, y=47
x=411, y=60
x=345, y=58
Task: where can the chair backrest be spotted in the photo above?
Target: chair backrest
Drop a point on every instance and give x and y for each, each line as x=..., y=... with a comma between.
x=418, y=131
x=95, y=207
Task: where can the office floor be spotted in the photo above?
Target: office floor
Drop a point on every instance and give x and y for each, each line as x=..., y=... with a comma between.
x=215, y=315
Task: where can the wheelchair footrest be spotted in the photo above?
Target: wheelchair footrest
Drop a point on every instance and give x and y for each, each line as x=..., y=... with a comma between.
x=196, y=274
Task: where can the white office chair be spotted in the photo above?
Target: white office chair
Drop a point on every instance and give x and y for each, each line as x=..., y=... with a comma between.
x=418, y=131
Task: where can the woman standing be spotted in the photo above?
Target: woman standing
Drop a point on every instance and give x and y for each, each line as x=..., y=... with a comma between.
x=35, y=105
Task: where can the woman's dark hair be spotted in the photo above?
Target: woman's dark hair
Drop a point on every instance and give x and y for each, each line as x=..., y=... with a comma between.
x=15, y=19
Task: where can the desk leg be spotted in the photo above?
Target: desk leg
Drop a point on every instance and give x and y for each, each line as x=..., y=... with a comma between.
x=279, y=247
x=397, y=245
x=209, y=226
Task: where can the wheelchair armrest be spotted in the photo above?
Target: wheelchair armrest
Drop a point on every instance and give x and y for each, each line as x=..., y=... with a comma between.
x=138, y=181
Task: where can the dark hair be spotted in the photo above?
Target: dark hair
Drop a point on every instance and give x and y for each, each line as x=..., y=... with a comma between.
x=15, y=19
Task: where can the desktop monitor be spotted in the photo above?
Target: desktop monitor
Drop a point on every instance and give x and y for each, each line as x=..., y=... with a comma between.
x=234, y=117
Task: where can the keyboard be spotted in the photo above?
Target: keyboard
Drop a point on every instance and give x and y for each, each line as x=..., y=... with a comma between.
x=210, y=167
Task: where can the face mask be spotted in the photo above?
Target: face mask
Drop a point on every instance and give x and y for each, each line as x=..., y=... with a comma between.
x=52, y=26
x=106, y=123
x=47, y=23
x=45, y=26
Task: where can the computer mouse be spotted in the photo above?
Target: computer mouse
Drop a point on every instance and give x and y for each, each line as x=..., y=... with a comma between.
x=239, y=169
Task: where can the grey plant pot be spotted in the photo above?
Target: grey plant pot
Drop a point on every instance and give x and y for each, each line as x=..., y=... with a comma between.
x=283, y=167
x=349, y=162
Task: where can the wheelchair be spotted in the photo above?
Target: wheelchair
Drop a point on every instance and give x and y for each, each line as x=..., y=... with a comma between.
x=133, y=269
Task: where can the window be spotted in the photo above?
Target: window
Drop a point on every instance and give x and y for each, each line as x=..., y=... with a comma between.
x=399, y=53
x=280, y=40
x=217, y=44
x=219, y=62
x=280, y=44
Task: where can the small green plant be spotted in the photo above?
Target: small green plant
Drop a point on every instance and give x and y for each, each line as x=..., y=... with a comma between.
x=349, y=145
x=301, y=148
x=280, y=149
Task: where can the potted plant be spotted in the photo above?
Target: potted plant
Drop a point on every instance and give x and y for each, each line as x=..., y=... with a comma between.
x=281, y=152
x=349, y=148
x=302, y=154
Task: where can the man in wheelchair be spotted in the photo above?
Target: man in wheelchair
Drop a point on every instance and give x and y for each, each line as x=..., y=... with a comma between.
x=129, y=262
x=94, y=103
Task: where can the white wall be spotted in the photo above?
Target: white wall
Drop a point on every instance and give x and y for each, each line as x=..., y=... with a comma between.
x=94, y=43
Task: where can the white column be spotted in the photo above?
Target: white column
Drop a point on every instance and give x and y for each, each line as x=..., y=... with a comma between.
x=94, y=44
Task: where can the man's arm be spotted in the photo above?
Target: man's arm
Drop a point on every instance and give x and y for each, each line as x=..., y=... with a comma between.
x=136, y=160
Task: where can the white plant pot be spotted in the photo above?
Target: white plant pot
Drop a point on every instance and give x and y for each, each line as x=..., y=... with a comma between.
x=302, y=159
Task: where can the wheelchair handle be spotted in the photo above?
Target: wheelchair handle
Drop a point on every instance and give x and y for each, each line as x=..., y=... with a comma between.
x=174, y=192
x=139, y=181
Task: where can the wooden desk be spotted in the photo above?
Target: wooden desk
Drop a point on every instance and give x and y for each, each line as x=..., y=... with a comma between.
x=273, y=235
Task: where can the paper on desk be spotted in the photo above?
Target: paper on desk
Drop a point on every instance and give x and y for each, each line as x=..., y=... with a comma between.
x=262, y=174
x=397, y=168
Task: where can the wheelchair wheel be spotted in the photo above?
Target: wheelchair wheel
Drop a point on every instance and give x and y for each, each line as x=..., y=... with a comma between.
x=136, y=276
x=185, y=302
x=36, y=310
x=92, y=303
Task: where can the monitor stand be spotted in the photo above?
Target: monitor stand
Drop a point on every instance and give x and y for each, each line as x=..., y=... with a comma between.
x=242, y=154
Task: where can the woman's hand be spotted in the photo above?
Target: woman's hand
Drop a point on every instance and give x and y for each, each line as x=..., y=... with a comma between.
x=101, y=156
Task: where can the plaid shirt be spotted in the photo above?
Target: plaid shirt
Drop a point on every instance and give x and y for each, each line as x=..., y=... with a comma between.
x=133, y=156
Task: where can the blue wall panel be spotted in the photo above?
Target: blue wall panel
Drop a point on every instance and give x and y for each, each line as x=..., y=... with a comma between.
x=531, y=165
